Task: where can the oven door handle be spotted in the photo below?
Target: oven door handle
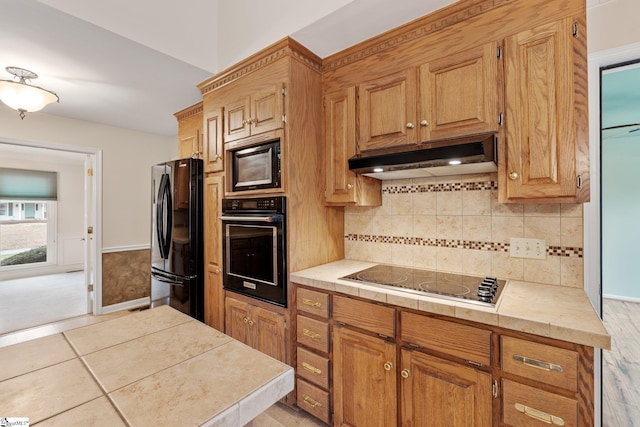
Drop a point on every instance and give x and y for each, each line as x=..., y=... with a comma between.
x=270, y=219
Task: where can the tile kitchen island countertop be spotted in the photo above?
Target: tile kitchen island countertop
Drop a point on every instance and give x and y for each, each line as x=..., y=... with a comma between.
x=154, y=367
x=551, y=311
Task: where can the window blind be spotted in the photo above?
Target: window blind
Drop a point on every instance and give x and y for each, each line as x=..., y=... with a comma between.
x=24, y=184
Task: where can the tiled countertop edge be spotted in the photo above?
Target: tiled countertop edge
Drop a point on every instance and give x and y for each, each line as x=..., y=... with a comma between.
x=255, y=404
x=546, y=324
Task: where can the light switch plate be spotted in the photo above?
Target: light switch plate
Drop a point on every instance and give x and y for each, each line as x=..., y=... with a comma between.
x=527, y=248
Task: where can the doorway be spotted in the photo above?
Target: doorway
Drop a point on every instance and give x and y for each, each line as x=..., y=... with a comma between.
x=620, y=239
x=59, y=289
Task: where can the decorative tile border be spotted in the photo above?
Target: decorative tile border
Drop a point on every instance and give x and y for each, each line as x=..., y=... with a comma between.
x=440, y=187
x=458, y=244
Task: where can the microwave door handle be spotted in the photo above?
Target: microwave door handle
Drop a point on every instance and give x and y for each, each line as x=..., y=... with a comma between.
x=269, y=219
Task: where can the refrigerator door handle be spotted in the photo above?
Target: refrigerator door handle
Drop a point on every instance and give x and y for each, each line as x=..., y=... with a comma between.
x=165, y=277
x=164, y=200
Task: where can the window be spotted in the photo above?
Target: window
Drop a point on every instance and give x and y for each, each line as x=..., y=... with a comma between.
x=27, y=218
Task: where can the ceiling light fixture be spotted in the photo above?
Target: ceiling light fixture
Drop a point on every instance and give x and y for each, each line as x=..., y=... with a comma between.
x=23, y=97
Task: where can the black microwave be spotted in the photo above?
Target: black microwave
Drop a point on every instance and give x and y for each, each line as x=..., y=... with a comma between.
x=256, y=167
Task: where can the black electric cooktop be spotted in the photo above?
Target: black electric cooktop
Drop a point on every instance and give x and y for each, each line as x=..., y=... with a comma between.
x=473, y=289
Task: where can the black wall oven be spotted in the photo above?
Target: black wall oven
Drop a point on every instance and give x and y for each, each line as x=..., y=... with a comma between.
x=254, y=248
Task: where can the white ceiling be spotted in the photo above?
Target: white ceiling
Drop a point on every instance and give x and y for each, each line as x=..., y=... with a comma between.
x=133, y=64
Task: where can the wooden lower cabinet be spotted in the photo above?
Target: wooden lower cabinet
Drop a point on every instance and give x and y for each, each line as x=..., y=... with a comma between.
x=257, y=327
x=364, y=380
x=438, y=392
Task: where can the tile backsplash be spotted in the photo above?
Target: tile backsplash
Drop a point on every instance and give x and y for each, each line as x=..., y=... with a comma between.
x=456, y=224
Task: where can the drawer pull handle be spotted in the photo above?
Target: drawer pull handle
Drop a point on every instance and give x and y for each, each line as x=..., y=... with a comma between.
x=537, y=363
x=312, y=303
x=311, y=368
x=539, y=415
x=310, y=334
x=313, y=403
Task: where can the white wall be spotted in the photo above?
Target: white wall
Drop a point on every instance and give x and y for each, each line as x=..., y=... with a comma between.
x=127, y=157
x=612, y=24
x=246, y=26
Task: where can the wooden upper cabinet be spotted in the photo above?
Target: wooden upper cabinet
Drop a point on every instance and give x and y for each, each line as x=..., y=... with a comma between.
x=261, y=111
x=388, y=111
x=213, y=144
x=190, y=132
x=458, y=396
x=540, y=115
x=343, y=187
x=459, y=94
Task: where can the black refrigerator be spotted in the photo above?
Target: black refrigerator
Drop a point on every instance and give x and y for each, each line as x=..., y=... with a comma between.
x=177, y=259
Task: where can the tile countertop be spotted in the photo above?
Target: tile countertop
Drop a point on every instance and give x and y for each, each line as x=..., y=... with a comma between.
x=551, y=311
x=154, y=367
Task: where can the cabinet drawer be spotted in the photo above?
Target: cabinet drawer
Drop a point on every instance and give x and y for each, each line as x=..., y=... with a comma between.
x=371, y=317
x=540, y=362
x=313, y=367
x=313, y=302
x=524, y=406
x=313, y=333
x=313, y=400
x=462, y=341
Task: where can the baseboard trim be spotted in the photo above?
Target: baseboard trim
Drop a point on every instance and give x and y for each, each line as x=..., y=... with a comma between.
x=620, y=298
x=127, y=305
x=124, y=248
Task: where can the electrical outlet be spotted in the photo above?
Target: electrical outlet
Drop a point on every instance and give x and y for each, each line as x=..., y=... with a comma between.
x=527, y=248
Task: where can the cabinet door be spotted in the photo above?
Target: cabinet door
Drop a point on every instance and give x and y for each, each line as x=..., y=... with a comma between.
x=541, y=145
x=388, y=111
x=213, y=291
x=437, y=392
x=459, y=94
x=267, y=109
x=237, y=119
x=213, y=144
x=343, y=187
x=190, y=136
x=237, y=320
x=364, y=385
x=340, y=140
x=267, y=331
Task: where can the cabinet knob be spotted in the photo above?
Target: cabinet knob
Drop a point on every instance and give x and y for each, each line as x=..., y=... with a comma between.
x=251, y=322
x=245, y=320
x=349, y=186
x=409, y=125
x=388, y=366
x=513, y=176
x=424, y=123
x=217, y=270
x=405, y=373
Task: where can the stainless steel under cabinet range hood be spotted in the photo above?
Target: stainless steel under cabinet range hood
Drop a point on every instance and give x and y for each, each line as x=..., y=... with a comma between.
x=456, y=156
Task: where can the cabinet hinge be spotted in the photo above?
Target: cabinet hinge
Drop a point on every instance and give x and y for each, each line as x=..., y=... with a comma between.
x=90, y=172
x=90, y=287
x=414, y=345
x=499, y=52
x=284, y=118
x=575, y=29
x=500, y=118
x=579, y=182
x=284, y=91
x=476, y=364
x=494, y=389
